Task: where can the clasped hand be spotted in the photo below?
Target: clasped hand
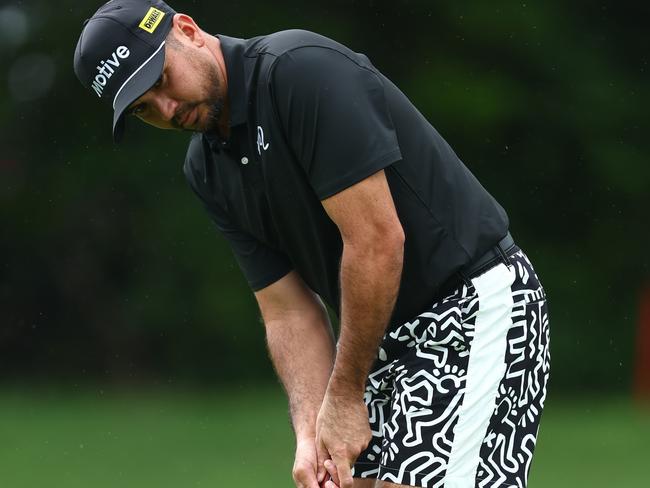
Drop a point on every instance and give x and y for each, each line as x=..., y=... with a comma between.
x=342, y=433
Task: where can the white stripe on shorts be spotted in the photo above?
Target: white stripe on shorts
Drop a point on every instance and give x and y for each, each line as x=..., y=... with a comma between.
x=485, y=370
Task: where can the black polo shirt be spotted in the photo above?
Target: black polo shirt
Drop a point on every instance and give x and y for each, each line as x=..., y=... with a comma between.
x=309, y=118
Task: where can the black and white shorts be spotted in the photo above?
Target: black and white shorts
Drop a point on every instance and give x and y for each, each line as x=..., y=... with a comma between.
x=455, y=396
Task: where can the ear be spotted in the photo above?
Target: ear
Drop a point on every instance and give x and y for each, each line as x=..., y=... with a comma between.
x=187, y=31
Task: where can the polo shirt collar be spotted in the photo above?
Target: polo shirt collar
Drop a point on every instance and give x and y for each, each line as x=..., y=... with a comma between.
x=233, y=55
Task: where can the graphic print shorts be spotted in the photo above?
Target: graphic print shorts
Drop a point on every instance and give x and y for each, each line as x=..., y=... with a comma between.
x=455, y=396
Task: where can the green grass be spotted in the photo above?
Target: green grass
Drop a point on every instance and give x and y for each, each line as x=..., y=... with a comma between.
x=172, y=439
x=241, y=438
x=594, y=442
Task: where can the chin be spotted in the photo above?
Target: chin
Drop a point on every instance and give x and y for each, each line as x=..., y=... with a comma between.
x=199, y=123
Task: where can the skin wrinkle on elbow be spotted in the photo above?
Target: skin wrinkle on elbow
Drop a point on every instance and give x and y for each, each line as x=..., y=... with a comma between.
x=281, y=320
x=379, y=238
x=389, y=249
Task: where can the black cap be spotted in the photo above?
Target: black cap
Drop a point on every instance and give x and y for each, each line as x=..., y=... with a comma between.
x=121, y=52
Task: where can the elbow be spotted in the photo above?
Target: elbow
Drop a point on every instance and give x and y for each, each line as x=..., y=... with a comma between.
x=381, y=245
x=396, y=246
x=391, y=244
x=398, y=238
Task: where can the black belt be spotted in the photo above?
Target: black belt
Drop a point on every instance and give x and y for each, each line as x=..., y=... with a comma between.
x=500, y=253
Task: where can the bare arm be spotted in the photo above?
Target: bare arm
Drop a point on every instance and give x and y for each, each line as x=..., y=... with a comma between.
x=301, y=344
x=371, y=268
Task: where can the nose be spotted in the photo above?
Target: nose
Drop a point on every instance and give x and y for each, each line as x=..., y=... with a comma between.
x=166, y=107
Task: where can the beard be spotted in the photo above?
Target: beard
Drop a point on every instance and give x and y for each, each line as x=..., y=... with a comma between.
x=213, y=100
x=214, y=115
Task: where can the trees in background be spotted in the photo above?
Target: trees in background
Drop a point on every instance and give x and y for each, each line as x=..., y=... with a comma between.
x=110, y=270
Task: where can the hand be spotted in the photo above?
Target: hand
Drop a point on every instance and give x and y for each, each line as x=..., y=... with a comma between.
x=306, y=471
x=342, y=433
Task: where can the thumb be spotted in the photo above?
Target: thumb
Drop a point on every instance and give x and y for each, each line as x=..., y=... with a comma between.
x=344, y=469
x=322, y=455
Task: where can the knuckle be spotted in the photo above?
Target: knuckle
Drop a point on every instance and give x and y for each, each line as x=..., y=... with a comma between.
x=298, y=473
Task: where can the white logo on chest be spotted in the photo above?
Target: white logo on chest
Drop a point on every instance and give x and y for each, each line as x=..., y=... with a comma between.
x=260, y=140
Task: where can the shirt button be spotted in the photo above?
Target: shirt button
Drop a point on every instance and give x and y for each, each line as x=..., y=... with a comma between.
x=244, y=160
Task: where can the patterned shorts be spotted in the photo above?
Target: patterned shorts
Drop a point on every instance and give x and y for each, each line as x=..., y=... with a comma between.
x=455, y=396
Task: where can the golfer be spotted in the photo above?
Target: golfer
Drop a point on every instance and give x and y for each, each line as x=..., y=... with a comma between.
x=332, y=188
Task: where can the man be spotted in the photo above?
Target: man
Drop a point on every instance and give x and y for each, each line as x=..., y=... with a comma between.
x=331, y=187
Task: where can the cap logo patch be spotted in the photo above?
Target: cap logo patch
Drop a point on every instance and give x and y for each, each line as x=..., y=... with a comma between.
x=152, y=20
x=107, y=67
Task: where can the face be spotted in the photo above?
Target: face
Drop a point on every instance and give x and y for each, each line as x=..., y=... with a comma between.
x=189, y=94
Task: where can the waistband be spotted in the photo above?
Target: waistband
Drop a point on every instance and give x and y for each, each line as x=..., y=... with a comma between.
x=500, y=253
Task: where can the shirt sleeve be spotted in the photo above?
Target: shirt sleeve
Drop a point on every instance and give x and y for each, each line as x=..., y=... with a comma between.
x=261, y=264
x=334, y=113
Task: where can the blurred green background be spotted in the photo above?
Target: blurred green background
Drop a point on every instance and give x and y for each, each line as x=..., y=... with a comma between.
x=131, y=350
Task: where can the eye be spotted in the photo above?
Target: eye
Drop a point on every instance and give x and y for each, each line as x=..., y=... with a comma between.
x=141, y=108
x=137, y=110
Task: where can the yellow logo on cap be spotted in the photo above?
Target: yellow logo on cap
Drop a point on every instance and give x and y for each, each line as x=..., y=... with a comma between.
x=151, y=20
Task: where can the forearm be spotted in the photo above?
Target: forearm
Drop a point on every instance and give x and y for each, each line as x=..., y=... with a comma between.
x=370, y=281
x=302, y=350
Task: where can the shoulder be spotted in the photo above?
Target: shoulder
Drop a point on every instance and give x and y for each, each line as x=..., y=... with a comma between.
x=303, y=50
x=283, y=42
x=321, y=65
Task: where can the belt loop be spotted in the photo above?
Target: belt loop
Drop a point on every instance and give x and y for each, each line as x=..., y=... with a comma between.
x=503, y=255
x=466, y=279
